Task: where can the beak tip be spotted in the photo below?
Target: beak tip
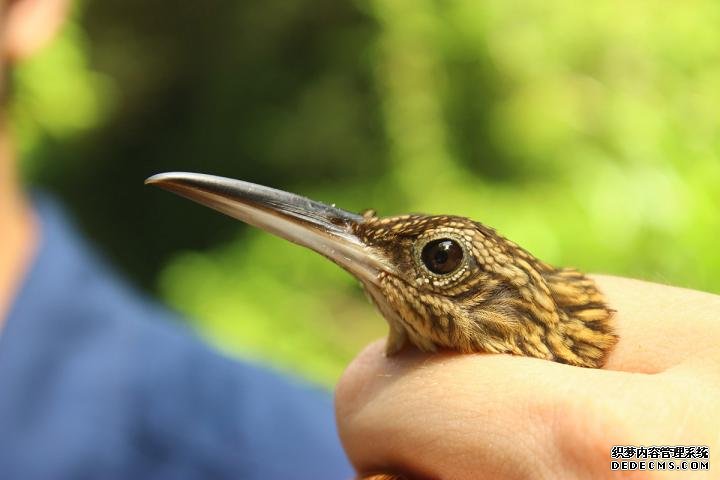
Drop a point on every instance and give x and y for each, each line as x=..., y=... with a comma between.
x=170, y=178
x=155, y=179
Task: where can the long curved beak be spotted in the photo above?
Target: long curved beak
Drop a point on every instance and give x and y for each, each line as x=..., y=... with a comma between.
x=323, y=228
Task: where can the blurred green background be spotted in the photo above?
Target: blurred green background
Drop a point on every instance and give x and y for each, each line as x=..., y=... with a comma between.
x=588, y=132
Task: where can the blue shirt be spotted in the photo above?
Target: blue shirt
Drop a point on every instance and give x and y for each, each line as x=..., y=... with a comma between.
x=97, y=382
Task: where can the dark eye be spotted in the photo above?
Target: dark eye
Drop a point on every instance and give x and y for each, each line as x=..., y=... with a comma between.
x=442, y=256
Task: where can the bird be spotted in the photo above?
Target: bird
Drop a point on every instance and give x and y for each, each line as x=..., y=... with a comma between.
x=442, y=282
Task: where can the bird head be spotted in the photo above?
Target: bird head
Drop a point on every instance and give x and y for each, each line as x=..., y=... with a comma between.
x=442, y=282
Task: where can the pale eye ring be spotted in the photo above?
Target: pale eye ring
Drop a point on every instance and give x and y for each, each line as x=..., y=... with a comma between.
x=442, y=256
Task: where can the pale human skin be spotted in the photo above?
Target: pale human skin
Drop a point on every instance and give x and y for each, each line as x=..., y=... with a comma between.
x=502, y=417
x=25, y=27
x=471, y=416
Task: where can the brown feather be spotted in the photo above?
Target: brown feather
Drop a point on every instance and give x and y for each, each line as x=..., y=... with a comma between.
x=500, y=299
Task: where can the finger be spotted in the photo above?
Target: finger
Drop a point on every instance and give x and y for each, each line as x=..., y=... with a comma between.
x=378, y=406
x=503, y=417
x=659, y=326
x=469, y=416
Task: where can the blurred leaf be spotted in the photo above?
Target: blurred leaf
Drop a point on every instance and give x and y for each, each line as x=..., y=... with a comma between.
x=57, y=93
x=587, y=132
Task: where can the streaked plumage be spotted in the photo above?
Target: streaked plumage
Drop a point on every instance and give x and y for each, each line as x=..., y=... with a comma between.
x=442, y=282
x=501, y=299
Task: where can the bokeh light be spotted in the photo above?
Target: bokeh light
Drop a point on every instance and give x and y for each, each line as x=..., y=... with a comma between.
x=587, y=132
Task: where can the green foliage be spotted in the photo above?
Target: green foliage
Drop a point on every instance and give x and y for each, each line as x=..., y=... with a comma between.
x=587, y=132
x=269, y=300
x=58, y=95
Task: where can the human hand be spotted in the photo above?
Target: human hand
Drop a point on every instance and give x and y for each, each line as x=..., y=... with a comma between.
x=450, y=416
